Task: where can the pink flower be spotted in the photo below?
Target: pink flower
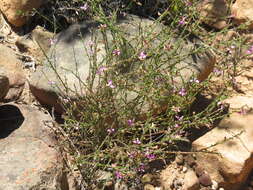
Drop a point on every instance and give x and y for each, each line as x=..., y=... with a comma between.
x=150, y=156
x=142, y=55
x=182, y=92
x=52, y=41
x=84, y=7
x=137, y=141
x=116, y=52
x=182, y=21
x=130, y=122
x=132, y=154
x=111, y=130
x=110, y=84
x=179, y=118
x=51, y=83
x=101, y=70
x=250, y=50
x=118, y=175
x=141, y=168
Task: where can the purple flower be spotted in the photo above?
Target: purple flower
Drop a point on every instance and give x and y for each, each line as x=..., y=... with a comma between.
x=176, y=125
x=84, y=7
x=51, y=83
x=130, y=122
x=150, y=156
x=179, y=118
x=116, y=52
x=194, y=80
x=141, y=168
x=132, y=154
x=142, y=55
x=250, y=50
x=52, y=41
x=118, y=175
x=182, y=92
x=182, y=21
x=101, y=70
x=111, y=130
x=188, y=3
x=137, y=141
x=110, y=84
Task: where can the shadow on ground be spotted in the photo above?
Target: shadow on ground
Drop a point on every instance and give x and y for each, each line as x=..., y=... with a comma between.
x=11, y=119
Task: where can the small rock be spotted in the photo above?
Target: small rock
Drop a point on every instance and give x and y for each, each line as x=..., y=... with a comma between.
x=179, y=159
x=146, y=178
x=242, y=12
x=12, y=68
x=14, y=11
x=190, y=160
x=184, y=169
x=149, y=187
x=205, y=180
x=221, y=188
x=191, y=181
x=199, y=170
x=214, y=185
x=119, y=185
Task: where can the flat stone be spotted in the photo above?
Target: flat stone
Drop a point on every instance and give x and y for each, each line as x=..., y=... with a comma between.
x=30, y=158
x=242, y=12
x=231, y=167
x=191, y=181
x=214, y=13
x=69, y=60
x=11, y=66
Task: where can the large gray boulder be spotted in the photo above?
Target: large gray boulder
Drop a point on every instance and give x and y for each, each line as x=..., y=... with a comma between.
x=30, y=158
x=68, y=63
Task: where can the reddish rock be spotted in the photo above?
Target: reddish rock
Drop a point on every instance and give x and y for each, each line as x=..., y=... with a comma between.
x=231, y=161
x=242, y=12
x=11, y=66
x=16, y=11
x=29, y=155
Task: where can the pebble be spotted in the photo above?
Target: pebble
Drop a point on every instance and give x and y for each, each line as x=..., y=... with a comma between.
x=179, y=159
x=184, y=169
x=205, y=180
x=147, y=178
x=214, y=185
x=199, y=170
x=221, y=188
x=149, y=187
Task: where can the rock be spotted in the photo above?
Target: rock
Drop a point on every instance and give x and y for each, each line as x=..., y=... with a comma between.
x=71, y=61
x=146, y=178
x=4, y=85
x=234, y=137
x=120, y=185
x=205, y=180
x=214, y=13
x=179, y=159
x=16, y=11
x=191, y=181
x=149, y=187
x=36, y=43
x=12, y=68
x=242, y=12
x=169, y=178
x=30, y=158
x=214, y=185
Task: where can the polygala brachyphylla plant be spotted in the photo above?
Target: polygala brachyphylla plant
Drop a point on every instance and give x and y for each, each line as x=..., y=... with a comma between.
x=135, y=109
